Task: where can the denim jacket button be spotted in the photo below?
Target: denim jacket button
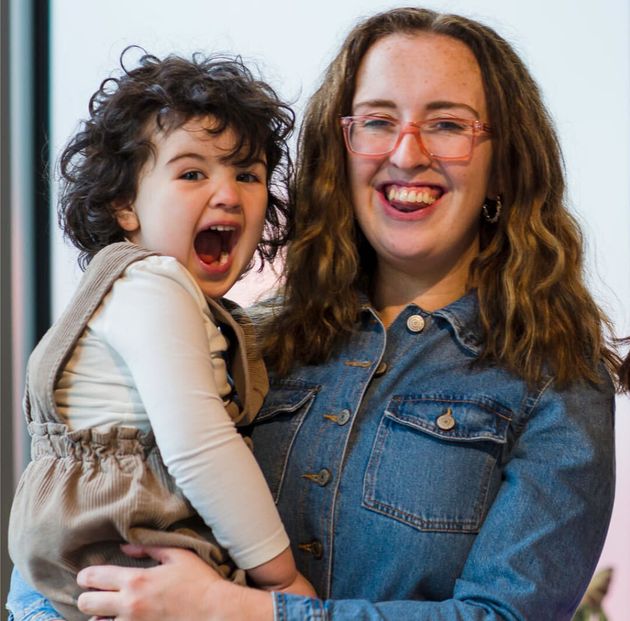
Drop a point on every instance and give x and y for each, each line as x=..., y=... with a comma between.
x=445, y=421
x=343, y=418
x=415, y=323
x=381, y=369
x=322, y=477
x=314, y=547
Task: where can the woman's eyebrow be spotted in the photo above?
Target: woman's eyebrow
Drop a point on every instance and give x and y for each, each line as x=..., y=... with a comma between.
x=431, y=106
x=375, y=103
x=448, y=105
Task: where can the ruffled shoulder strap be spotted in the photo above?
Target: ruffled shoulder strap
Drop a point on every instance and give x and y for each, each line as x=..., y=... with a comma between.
x=53, y=351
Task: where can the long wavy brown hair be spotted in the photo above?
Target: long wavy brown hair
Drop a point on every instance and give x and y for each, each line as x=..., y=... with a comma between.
x=537, y=315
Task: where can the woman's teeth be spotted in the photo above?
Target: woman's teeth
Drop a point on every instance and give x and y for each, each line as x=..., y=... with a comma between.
x=223, y=258
x=410, y=195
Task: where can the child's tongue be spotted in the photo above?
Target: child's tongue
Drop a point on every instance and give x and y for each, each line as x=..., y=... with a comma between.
x=208, y=246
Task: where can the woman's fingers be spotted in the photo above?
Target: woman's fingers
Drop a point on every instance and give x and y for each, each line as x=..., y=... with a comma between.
x=175, y=590
x=103, y=577
x=100, y=604
x=161, y=554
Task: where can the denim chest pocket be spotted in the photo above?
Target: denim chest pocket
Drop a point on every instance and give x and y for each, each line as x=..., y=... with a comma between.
x=276, y=426
x=433, y=462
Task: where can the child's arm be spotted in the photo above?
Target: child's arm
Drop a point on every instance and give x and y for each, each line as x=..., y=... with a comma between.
x=154, y=322
x=279, y=574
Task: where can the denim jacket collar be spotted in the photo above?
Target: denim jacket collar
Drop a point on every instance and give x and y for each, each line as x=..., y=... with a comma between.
x=462, y=315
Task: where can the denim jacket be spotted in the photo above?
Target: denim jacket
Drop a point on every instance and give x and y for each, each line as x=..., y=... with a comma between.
x=415, y=484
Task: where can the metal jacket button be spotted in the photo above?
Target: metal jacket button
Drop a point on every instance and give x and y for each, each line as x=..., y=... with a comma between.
x=415, y=323
x=341, y=419
x=381, y=369
x=446, y=421
x=321, y=478
x=314, y=547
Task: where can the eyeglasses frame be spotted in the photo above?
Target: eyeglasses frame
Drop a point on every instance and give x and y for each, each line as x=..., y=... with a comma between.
x=414, y=128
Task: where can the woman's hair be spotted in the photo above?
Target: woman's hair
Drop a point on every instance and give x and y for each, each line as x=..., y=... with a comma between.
x=624, y=369
x=535, y=311
x=101, y=164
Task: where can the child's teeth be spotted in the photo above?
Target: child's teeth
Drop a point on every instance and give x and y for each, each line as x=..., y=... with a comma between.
x=223, y=259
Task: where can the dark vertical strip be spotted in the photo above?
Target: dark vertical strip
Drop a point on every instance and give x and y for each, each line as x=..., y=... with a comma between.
x=6, y=373
x=41, y=165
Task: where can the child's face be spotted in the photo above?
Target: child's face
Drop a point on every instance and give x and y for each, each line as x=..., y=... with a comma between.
x=192, y=205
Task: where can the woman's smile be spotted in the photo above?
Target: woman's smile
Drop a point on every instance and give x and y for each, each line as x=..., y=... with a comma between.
x=409, y=201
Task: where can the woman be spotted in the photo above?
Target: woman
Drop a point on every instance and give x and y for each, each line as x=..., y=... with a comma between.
x=439, y=434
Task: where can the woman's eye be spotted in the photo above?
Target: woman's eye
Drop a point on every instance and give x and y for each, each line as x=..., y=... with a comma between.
x=378, y=124
x=448, y=125
x=191, y=175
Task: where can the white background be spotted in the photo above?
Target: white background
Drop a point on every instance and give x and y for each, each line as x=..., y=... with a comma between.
x=578, y=51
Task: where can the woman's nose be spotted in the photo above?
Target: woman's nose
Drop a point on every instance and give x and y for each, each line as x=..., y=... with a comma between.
x=410, y=152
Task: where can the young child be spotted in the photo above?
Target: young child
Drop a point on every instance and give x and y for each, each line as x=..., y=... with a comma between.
x=133, y=395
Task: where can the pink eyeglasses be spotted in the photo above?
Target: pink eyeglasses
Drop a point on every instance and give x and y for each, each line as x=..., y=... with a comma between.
x=445, y=138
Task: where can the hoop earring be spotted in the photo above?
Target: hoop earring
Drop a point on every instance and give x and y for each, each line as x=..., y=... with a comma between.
x=493, y=219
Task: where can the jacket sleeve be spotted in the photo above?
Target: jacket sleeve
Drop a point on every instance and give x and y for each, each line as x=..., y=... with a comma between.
x=543, y=535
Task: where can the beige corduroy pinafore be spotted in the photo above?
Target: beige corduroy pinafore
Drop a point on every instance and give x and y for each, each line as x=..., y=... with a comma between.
x=86, y=491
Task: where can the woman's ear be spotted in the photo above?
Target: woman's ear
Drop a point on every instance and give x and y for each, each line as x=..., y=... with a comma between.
x=127, y=219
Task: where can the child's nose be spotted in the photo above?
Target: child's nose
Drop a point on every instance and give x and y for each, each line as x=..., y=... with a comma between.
x=225, y=195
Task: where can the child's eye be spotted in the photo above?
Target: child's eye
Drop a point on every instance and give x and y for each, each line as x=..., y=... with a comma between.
x=191, y=175
x=248, y=177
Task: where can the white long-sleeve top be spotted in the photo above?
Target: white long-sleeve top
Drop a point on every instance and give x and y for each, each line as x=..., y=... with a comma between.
x=151, y=357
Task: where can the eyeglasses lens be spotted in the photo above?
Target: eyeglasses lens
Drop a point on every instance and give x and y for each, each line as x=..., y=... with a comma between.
x=442, y=138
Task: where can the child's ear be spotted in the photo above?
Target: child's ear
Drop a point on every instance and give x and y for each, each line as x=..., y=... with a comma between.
x=127, y=219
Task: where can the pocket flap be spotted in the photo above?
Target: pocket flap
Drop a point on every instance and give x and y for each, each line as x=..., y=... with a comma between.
x=452, y=418
x=286, y=397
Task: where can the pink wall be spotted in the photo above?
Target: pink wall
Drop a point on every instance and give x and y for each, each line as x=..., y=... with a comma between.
x=616, y=552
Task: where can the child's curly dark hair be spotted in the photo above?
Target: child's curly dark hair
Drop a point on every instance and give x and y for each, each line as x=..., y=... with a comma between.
x=101, y=164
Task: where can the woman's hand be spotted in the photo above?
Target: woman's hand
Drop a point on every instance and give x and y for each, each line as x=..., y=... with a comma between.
x=181, y=588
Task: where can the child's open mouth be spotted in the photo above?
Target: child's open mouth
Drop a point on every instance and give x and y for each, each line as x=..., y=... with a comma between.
x=214, y=244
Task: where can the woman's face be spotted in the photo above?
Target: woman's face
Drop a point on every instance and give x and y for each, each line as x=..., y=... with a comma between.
x=420, y=214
